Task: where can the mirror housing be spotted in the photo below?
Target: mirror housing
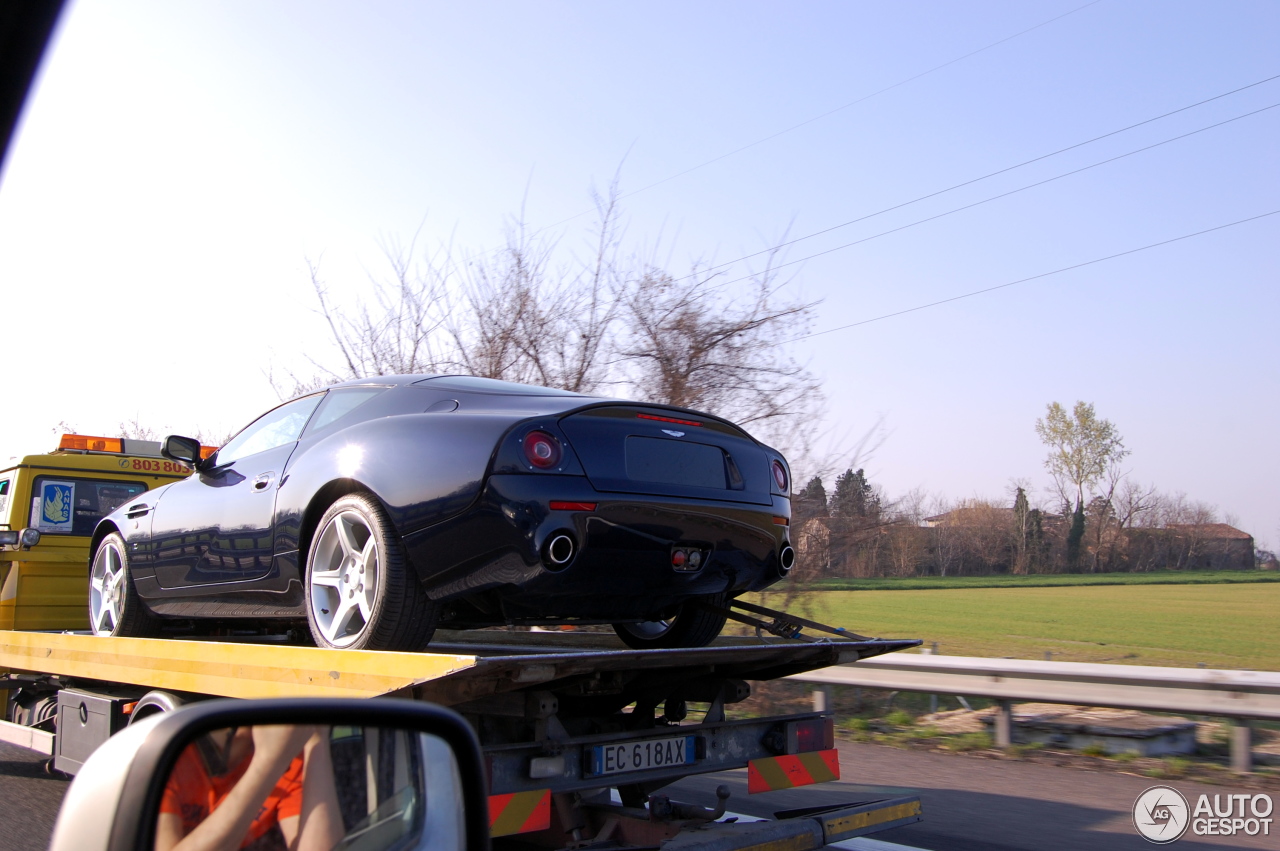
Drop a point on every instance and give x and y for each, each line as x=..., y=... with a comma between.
x=184, y=450
x=114, y=802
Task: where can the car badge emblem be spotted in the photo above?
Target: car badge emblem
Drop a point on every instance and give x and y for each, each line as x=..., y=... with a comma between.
x=673, y=433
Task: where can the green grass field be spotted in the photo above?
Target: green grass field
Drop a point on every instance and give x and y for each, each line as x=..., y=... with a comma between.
x=1051, y=580
x=1219, y=626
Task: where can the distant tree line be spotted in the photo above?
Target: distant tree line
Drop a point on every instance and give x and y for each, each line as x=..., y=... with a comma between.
x=1103, y=520
x=857, y=532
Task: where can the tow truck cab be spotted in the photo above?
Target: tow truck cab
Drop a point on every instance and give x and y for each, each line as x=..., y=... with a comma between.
x=49, y=506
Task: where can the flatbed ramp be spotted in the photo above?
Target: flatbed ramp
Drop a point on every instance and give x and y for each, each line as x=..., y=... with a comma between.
x=450, y=674
x=564, y=721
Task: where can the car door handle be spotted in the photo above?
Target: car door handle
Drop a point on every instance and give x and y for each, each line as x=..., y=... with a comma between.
x=263, y=481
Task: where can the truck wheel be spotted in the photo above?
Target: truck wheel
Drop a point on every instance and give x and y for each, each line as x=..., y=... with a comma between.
x=155, y=702
x=362, y=594
x=692, y=626
x=114, y=605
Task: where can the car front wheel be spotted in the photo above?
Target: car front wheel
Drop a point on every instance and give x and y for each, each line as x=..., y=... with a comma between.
x=362, y=593
x=692, y=626
x=114, y=605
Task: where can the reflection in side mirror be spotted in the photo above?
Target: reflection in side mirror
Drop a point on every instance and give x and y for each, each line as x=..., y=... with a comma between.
x=300, y=773
x=313, y=788
x=184, y=450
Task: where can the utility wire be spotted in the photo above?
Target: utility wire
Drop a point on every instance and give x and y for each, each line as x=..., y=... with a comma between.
x=983, y=177
x=1031, y=278
x=992, y=198
x=831, y=112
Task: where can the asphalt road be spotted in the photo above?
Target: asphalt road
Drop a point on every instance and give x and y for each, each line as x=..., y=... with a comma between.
x=969, y=803
x=29, y=800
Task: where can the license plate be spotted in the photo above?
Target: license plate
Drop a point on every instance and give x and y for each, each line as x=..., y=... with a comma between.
x=642, y=756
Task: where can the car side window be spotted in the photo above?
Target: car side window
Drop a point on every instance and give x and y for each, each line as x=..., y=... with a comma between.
x=339, y=403
x=274, y=428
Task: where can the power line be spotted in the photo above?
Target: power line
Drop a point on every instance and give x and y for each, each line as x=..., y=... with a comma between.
x=1031, y=278
x=983, y=177
x=987, y=200
x=831, y=112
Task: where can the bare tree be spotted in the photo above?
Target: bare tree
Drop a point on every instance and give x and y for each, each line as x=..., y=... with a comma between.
x=908, y=541
x=947, y=541
x=525, y=320
x=687, y=343
x=513, y=314
x=1134, y=503
x=397, y=332
x=583, y=321
x=503, y=330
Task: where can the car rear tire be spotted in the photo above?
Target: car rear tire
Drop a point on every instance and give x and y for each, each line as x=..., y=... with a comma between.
x=692, y=626
x=114, y=606
x=362, y=594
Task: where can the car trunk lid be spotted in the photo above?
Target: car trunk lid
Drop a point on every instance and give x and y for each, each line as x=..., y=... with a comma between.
x=661, y=451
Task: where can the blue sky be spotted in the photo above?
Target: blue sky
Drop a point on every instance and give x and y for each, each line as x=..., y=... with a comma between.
x=181, y=162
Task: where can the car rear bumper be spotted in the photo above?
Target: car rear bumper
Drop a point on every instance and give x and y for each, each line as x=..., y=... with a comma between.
x=621, y=562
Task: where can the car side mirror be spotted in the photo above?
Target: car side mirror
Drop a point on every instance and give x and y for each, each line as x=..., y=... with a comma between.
x=328, y=773
x=184, y=450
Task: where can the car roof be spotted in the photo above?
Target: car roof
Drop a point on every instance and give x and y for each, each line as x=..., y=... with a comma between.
x=462, y=383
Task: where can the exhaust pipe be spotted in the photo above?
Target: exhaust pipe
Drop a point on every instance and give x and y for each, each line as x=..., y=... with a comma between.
x=786, y=559
x=558, y=551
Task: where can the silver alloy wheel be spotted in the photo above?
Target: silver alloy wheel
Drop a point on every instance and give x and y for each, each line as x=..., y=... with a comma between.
x=343, y=580
x=107, y=587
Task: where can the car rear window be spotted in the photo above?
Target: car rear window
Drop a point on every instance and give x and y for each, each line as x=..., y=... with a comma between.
x=675, y=462
x=63, y=505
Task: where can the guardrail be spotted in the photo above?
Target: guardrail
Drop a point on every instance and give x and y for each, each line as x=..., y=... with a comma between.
x=1239, y=695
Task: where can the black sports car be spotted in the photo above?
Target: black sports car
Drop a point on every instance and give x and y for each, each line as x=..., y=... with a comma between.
x=381, y=509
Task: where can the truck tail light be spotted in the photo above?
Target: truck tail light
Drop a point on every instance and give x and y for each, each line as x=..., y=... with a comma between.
x=814, y=734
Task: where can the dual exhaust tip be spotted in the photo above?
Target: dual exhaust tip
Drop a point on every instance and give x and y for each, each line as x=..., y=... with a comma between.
x=558, y=551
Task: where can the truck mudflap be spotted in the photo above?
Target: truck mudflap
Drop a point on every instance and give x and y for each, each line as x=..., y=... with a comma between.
x=801, y=830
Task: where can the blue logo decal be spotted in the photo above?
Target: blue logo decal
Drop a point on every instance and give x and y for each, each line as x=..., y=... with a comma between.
x=55, y=506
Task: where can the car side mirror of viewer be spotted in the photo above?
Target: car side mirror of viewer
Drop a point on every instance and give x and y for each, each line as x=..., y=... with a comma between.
x=185, y=450
x=317, y=773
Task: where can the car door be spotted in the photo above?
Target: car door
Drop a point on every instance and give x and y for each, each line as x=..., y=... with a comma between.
x=218, y=525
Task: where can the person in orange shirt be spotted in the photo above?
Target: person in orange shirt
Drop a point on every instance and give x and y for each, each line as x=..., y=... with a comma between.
x=260, y=788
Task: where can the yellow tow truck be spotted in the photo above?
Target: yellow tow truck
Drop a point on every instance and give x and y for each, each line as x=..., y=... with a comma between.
x=49, y=505
x=578, y=732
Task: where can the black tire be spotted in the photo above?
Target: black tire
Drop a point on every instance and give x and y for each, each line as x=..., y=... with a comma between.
x=114, y=606
x=692, y=626
x=392, y=611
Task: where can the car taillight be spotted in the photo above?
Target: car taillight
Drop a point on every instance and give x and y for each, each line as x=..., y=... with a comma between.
x=542, y=450
x=780, y=476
